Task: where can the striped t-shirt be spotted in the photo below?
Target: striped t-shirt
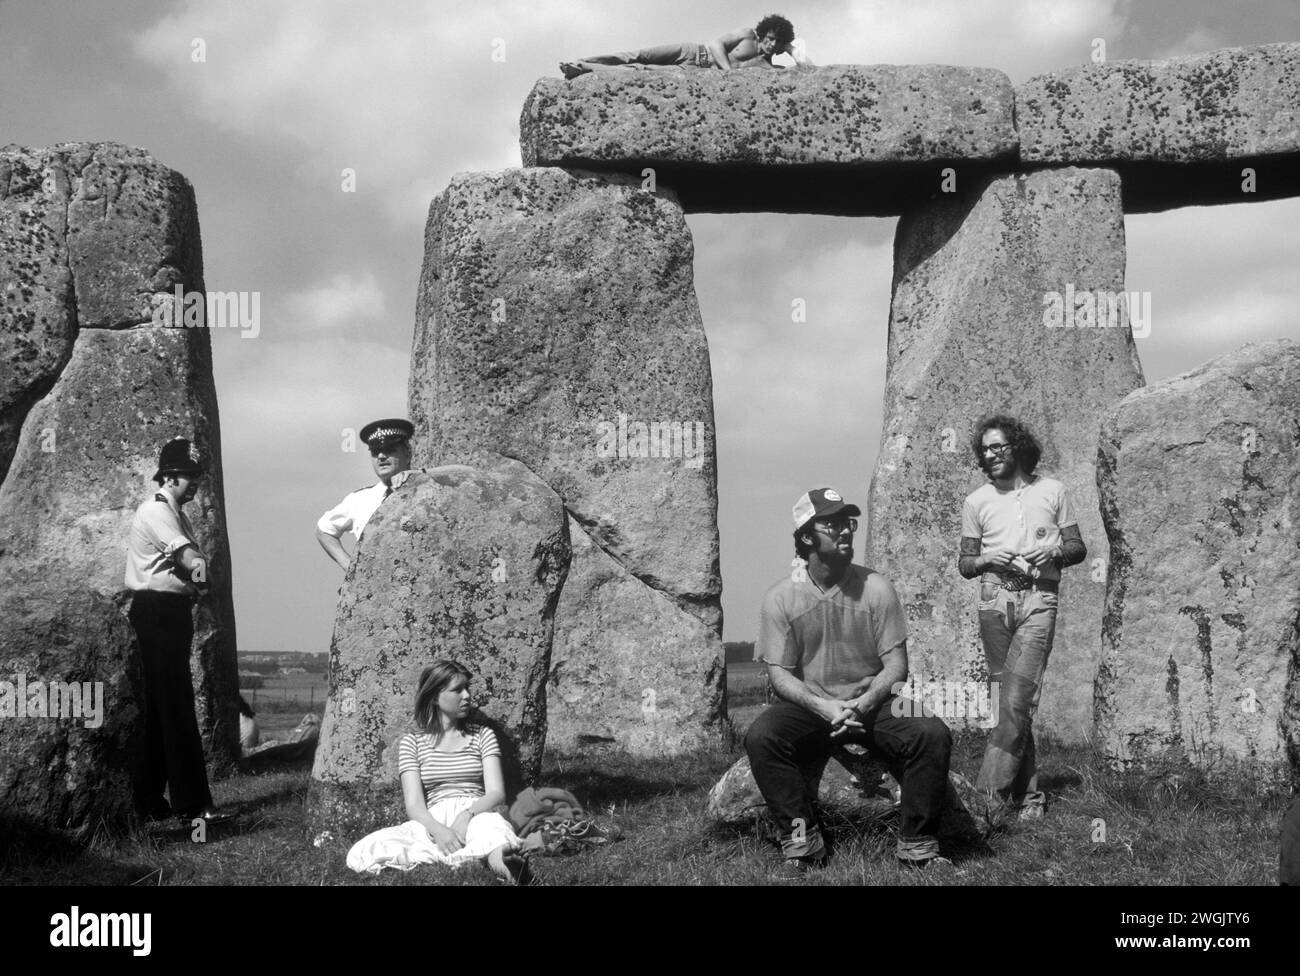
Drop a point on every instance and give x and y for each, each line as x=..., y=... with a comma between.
x=447, y=774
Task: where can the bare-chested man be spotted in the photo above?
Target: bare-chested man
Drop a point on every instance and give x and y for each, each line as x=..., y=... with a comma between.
x=749, y=48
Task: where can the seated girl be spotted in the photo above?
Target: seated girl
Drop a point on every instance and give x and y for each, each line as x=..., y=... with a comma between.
x=451, y=780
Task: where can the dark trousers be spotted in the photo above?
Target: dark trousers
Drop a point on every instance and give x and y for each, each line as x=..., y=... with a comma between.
x=1289, y=860
x=173, y=750
x=787, y=744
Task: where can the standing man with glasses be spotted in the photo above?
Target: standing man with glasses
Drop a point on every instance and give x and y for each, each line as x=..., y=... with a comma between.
x=390, y=454
x=1017, y=532
x=834, y=639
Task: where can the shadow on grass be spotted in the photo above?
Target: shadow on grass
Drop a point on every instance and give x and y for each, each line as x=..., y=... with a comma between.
x=31, y=853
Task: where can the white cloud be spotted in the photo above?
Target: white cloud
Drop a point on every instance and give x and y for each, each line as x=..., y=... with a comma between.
x=1020, y=37
x=343, y=302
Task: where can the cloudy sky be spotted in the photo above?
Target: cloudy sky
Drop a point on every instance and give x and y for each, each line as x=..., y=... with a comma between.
x=407, y=93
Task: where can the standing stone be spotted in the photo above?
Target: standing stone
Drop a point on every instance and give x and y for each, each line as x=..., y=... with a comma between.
x=458, y=563
x=971, y=333
x=1198, y=477
x=65, y=513
x=95, y=237
x=626, y=665
x=557, y=325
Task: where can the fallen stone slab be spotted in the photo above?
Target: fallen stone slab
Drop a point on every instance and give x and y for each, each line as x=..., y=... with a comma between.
x=843, y=139
x=1198, y=477
x=1180, y=131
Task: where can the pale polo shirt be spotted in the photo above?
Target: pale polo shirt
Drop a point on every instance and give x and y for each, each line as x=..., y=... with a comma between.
x=1019, y=518
x=832, y=640
x=158, y=532
x=352, y=514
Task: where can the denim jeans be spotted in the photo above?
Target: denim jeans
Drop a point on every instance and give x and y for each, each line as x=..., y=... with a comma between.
x=788, y=747
x=1016, y=628
x=687, y=55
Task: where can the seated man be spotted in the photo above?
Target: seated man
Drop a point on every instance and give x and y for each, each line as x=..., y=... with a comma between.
x=748, y=48
x=834, y=640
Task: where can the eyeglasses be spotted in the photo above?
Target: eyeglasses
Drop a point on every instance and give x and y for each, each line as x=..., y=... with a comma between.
x=837, y=526
x=998, y=449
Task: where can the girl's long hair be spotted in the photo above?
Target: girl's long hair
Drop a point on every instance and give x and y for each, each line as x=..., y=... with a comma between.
x=433, y=682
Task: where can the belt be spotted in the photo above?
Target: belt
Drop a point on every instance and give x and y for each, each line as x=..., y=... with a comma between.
x=162, y=596
x=1016, y=582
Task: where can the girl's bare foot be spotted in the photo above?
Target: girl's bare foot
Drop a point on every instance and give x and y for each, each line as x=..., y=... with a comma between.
x=510, y=866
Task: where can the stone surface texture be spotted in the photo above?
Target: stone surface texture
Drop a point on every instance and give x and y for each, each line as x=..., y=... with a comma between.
x=709, y=132
x=95, y=235
x=1200, y=490
x=95, y=238
x=843, y=114
x=627, y=663
x=967, y=337
x=557, y=325
x=461, y=563
x=1232, y=103
x=75, y=770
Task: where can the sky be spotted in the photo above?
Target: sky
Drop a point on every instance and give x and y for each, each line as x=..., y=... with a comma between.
x=288, y=95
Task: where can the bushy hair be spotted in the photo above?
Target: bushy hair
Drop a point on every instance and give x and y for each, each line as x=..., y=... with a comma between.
x=433, y=682
x=1024, y=445
x=801, y=548
x=783, y=29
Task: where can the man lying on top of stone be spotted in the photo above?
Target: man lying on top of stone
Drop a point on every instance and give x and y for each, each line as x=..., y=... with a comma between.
x=749, y=48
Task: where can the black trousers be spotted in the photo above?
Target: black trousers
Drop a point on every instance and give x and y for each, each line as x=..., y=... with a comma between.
x=173, y=750
x=787, y=742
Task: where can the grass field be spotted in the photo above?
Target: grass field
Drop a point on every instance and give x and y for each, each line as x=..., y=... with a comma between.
x=1102, y=828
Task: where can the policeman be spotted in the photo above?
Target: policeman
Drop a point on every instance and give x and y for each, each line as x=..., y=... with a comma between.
x=390, y=453
x=166, y=570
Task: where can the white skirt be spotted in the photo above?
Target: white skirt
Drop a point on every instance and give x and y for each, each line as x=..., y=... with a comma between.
x=406, y=846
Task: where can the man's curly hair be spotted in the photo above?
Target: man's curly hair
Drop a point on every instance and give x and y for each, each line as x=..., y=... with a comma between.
x=1024, y=445
x=783, y=29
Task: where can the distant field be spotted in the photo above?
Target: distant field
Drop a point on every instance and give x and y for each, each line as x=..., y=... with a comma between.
x=282, y=700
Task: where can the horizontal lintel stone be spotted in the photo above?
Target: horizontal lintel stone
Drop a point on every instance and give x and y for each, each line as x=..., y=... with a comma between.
x=843, y=139
x=1180, y=131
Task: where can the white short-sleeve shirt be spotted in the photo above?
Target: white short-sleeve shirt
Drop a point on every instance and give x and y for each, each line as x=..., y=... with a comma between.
x=352, y=514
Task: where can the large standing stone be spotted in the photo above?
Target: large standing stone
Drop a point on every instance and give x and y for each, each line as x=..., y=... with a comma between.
x=973, y=279
x=1200, y=490
x=627, y=665
x=557, y=325
x=844, y=139
x=1180, y=131
x=459, y=563
x=84, y=464
x=95, y=237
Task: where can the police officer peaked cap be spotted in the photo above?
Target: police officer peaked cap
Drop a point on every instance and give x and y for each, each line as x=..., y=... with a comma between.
x=379, y=432
x=178, y=456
